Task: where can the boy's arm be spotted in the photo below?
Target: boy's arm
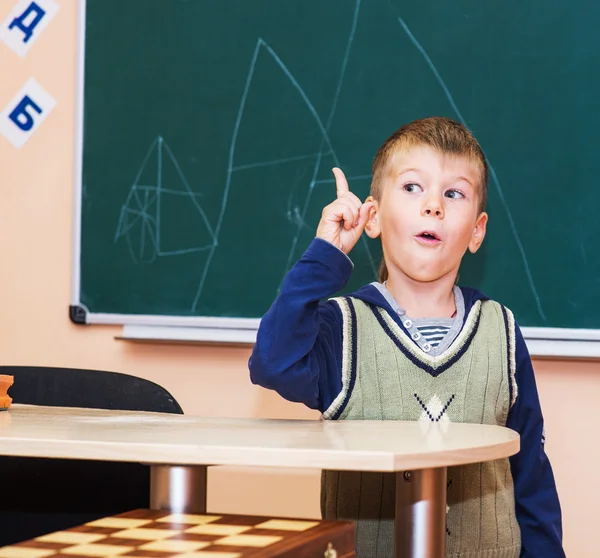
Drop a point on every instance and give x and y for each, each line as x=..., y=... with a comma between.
x=298, y=347
x=536, y=499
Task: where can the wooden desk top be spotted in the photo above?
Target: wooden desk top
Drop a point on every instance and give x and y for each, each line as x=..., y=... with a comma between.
x=155, y=438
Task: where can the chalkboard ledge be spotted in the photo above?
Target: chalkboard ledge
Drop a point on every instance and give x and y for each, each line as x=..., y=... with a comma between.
x=174, y=334
x=547, y=342
x=541, y=342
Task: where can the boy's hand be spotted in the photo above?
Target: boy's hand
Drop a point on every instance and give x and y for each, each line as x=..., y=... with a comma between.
x=343, y=221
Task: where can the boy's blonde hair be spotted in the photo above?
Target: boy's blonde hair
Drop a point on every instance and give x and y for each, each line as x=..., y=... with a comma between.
x=440, y=134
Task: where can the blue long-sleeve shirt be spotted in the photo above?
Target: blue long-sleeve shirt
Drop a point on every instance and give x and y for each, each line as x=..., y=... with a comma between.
x=298, y=353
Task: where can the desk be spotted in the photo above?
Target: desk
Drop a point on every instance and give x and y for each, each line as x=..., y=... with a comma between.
x=178, y=448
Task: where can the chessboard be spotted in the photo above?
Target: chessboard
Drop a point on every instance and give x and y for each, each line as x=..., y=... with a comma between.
x=162, y=534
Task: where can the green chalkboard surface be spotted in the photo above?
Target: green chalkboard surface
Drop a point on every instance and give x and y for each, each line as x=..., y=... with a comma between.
x=209, y=129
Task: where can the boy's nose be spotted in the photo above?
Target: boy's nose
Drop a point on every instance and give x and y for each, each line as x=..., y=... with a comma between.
x=432, y=208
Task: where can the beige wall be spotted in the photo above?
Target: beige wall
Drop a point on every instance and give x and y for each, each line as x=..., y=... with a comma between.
x=35, y=228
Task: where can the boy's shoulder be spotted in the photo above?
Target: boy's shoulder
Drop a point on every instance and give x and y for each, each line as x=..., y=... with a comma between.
x=372, y=293
x=472, y=295
x=503, y=312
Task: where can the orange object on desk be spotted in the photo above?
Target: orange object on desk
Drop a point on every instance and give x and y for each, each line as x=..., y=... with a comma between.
x=5, y=383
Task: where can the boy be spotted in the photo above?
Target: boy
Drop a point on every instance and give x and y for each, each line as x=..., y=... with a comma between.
x=415, y=344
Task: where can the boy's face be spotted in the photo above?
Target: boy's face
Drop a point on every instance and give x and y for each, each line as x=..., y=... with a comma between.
x=428, y=214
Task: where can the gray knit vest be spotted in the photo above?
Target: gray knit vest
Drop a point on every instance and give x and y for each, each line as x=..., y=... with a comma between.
x=385, y=376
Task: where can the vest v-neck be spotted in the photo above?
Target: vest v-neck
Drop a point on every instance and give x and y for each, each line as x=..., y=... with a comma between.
x=411, y=325
x=437, y=363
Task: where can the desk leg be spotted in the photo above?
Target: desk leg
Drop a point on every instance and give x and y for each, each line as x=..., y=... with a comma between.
x=420, y=525
x=179, y=489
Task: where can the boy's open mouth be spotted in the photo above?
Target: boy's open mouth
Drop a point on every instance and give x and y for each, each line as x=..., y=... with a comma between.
x=429, y=237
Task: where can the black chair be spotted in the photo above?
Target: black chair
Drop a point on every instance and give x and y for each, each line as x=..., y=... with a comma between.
x=40, y=496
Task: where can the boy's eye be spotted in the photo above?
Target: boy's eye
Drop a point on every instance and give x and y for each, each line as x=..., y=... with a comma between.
x=412, y=187
x=454, y=194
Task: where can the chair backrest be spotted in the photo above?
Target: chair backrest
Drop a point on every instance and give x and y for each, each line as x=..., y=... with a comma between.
x=41, y=496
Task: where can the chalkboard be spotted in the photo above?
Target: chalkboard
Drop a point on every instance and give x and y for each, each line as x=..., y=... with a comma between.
x=208, y=130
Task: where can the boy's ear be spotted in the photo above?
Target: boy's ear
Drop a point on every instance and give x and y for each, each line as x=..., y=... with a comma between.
x=372, y=226
x=478, y=233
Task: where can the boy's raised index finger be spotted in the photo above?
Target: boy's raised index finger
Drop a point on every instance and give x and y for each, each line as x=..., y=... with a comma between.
x=341, y=184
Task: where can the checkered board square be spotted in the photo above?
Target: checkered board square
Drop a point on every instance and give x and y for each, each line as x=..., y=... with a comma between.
x=161, y=534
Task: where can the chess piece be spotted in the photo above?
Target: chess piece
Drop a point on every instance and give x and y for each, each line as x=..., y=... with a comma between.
x=5, y=399
x=330, y=552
